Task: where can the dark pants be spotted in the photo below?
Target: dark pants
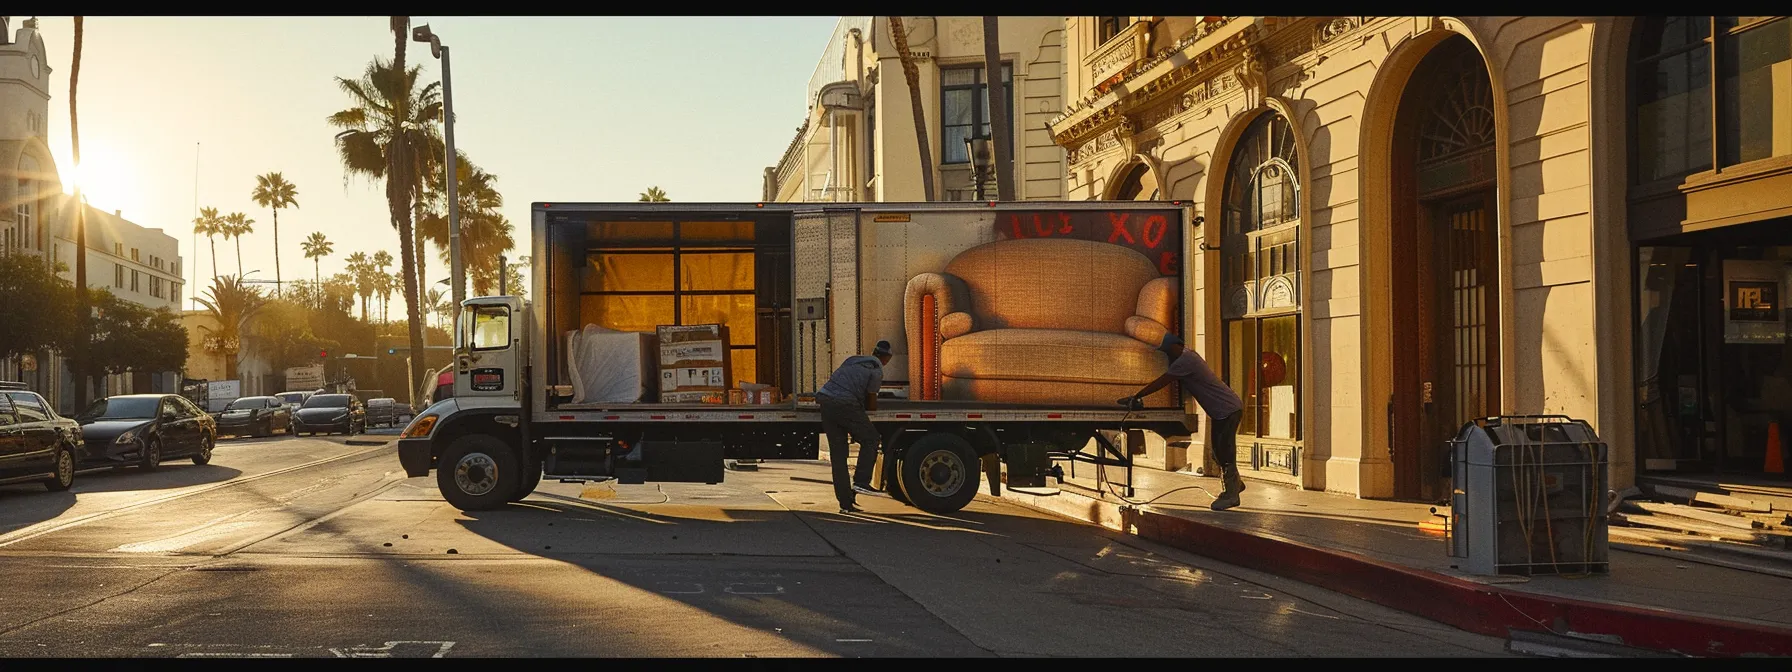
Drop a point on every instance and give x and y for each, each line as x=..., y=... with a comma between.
x=1223, y=442
x=840, y=417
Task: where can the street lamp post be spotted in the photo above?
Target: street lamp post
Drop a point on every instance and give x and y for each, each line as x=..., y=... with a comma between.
x=457, y=272
x=977, y=148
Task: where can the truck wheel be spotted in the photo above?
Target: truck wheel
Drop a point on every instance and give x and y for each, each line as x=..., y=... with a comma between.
x=531, y=479
x=939, y=473
x=477, y=472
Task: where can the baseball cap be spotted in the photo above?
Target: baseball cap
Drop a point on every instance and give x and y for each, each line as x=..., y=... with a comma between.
x=1169, y=340
x=883, y=348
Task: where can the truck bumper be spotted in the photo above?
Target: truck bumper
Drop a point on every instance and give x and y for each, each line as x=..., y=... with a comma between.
x=414, y=455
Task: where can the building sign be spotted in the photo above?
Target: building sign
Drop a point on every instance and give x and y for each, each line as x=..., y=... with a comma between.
x=305, y=378
x=1752, y=296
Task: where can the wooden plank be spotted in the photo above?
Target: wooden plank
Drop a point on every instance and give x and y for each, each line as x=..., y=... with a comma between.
x=1725, y=501
x=1662, y=522
x=1714, y=517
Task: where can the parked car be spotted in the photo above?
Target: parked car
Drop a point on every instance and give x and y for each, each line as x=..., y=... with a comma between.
x=329, y=414
x=255, y=416
x=36, y=444
x=293, y=400
x=145, y=429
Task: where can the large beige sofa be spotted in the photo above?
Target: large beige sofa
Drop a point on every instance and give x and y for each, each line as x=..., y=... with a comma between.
x=1039, y=321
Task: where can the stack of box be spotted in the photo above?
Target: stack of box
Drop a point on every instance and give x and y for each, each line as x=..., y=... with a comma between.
x=694, y=364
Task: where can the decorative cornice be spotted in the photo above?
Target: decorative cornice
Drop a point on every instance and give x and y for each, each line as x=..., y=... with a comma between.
x=1202, y=64
x=784, y=162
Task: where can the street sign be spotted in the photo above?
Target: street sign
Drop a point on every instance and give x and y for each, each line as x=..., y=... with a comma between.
x=305, y=377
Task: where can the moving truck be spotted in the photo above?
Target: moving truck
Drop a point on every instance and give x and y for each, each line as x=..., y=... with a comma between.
x=663, y=339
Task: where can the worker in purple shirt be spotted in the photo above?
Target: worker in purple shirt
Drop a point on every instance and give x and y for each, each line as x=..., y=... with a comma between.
x=1215, y=397
x=848, y=394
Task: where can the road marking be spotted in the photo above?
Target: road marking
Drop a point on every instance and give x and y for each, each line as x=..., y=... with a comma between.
x=386, y=651
x=51, y=526
x=234, y=655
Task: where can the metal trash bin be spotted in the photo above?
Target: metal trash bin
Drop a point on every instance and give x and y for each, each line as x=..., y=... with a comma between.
x=1528, y=496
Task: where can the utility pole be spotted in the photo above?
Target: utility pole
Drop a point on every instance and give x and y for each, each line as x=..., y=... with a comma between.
x=1000, y=125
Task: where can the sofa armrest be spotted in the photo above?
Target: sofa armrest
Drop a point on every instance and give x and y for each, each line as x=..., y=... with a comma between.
x=1158, y=301
x=956, y=324
x=926, y=302
x=1146, y=330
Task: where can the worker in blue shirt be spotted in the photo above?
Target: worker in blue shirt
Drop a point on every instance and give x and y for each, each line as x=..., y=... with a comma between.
x=848, y=394
x=1215, y=397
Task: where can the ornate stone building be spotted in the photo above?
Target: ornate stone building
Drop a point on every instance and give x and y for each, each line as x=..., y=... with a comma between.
x=1408, y=222
x=858, y=141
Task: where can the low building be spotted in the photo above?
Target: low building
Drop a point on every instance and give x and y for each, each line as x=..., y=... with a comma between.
x=136, y=263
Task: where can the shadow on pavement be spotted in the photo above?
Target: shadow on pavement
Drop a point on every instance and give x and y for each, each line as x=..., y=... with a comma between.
x=167, y=476
x=27, y=504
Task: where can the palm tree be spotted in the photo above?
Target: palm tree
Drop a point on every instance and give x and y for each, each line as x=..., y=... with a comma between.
x=316, y=248
x=237, y=225
x=477, y=194
x=358, y=266
x=211, y=225
x=912, y=74
x=382, y=281
x=232, y=303
x=487, y=237
x=273, y=192
x=84, y=315
x=654, y=195
x=390, y=133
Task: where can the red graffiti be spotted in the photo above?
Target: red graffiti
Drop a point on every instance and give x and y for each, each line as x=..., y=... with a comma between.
x=1014, y=220
x=1166, y=264
x=1156, y=224
x=1040, y=227
x=1118, y=221
x=1064, y=219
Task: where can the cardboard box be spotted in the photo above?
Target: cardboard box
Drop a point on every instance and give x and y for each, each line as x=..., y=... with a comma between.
x=695, y=364
x=768, y=396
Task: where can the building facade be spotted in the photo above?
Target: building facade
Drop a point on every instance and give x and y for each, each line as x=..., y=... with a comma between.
x=136, y=263
x=1409, y=222
x=858, y=142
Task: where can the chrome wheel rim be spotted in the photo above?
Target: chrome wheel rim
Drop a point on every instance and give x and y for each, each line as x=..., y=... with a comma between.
x=942, y=473
x=476, y=474
x=65, y=469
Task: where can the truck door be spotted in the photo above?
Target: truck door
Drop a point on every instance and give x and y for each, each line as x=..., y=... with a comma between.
x=825, y=290
x=488, y=348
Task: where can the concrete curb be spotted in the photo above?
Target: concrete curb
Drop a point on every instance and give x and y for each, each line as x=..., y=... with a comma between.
x=1457, y=602
x=367, y=442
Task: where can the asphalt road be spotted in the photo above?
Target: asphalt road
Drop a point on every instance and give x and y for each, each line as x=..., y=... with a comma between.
x=310, y=547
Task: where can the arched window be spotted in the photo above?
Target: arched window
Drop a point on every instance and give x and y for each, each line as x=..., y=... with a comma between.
x=1260, y=277
x=1684, y=67
x=1139, y=185
x=25, y=222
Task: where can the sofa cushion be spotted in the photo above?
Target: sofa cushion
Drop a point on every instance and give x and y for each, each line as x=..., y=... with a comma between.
x=1051, y=355
x=1052, y=283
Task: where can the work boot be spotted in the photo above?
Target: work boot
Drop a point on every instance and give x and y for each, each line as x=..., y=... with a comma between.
x=1229, y=496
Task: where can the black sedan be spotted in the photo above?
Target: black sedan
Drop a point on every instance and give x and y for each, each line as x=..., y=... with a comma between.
x=36, y=444
x=145, y=429
x=255, y=416
x=329, y=414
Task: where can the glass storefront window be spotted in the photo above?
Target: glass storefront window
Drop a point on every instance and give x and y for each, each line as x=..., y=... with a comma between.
x=1278, y=377
x=1241, y=370
x=1756, y=66
x=1260, y=274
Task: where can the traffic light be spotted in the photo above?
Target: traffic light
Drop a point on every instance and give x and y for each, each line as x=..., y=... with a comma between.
x=323, y=354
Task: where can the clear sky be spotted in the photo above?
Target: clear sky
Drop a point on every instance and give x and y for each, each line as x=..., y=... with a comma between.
x=558, y=108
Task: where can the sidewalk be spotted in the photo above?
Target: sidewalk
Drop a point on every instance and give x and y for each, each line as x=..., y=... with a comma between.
x=1379, y=551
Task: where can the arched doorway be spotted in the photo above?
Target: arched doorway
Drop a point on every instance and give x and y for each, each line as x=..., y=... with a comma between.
x=1444, y=254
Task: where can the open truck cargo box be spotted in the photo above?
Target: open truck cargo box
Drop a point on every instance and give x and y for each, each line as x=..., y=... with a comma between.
x=1023, y=305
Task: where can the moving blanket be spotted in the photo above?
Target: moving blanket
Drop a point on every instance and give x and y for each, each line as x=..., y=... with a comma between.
x=609, y=366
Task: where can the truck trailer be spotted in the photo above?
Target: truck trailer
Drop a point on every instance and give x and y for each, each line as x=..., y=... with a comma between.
x=662, y=340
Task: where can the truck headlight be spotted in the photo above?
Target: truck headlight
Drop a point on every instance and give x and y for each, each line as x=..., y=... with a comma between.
x=420, y=427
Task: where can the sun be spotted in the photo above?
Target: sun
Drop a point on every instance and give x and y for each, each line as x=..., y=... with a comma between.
x=104, y=178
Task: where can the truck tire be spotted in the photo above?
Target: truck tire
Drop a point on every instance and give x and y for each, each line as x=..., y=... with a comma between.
x=477, y=473
x=939, y=473
x=893, y=476
x=531, y=479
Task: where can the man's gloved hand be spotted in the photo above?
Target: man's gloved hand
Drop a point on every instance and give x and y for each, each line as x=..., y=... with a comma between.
x=1131, y=403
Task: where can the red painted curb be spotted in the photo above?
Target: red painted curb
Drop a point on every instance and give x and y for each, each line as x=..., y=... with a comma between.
x=1463, y=604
